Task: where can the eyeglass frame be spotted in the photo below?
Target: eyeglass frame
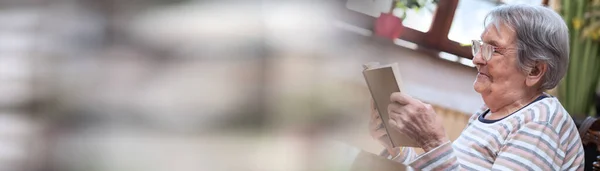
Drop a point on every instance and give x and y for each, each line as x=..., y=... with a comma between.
x=480, y=44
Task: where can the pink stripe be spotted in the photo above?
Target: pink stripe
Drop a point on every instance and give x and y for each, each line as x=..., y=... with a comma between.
x=544, y=129
x=528, y=116
x=487, y=138
x=431, y=155
x=541, y=146
x=551, y=102
x=487, y=135
x=565, y=127
x=475, y=160
x=578, y=161
x=574, y=149
x=557, y=118
x=509, y=164
x=446, y=165
x=544, y=112
x=532, y=158
x=570, y=155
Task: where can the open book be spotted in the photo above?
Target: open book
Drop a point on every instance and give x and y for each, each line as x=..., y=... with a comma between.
x=383, y=80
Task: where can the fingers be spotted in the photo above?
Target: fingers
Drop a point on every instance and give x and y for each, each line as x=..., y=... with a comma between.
x=396, y=110
x=377, y=129
x=387, y=143
x=379, y=125
x=408, y=104
x=392, y=122
x=397, y=113
x=407, y=113
x=378, y=134
x=373, y=106
x=376, y=126
x=428, y=106
x=375, y=123
x=395, y=124
x=401, y=98
x=374, y=115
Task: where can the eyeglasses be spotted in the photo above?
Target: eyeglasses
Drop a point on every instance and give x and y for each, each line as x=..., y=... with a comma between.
x=485, y=49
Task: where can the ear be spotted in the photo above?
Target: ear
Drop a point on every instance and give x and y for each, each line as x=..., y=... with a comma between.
x=536, y=74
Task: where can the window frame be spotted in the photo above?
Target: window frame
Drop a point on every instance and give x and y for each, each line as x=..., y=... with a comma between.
x=437, y=36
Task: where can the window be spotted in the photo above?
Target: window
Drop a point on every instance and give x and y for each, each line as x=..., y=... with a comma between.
x=468, y=19
x=419, y=20
x=455, y=23
x=452, y=24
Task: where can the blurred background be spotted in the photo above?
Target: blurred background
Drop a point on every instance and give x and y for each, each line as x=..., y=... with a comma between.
x=157, y=85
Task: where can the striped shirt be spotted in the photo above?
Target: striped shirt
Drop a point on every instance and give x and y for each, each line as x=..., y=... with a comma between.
x=540, y=136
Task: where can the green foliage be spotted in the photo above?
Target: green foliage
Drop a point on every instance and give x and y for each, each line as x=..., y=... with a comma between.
x=417, y=5
x=591, y=21
x=577, y=89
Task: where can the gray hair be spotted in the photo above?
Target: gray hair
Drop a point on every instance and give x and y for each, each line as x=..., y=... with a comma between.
x=542, y=36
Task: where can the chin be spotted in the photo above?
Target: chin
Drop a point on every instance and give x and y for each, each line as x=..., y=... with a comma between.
x=479, y=87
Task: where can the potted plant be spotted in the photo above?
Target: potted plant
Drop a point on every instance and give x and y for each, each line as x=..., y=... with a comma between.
x=389, y=24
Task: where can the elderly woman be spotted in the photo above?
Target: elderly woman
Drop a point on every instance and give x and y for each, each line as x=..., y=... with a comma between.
x=523, y=51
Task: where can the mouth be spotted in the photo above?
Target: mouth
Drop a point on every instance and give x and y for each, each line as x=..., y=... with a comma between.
x=484, y=74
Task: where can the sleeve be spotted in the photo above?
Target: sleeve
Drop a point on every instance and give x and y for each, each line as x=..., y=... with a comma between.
x=535, y=146
x=406, y=155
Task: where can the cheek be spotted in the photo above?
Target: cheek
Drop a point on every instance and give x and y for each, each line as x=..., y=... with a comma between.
x=506, y=75
x=499, y=70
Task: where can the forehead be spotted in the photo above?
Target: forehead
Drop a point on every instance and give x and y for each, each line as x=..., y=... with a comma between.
x=498, y=33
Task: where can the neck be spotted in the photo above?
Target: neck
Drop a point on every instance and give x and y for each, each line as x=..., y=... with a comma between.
x=503, y=104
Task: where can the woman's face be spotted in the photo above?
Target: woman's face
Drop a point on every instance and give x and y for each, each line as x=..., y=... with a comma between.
x=500, y=75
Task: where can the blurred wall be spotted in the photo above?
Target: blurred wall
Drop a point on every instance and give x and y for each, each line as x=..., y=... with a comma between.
x=196, y=85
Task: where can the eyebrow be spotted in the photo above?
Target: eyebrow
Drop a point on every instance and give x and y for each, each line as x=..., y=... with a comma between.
x=490, y=42
x=493, y=43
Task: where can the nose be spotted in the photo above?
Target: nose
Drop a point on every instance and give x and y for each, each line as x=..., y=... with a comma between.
x=478, y=60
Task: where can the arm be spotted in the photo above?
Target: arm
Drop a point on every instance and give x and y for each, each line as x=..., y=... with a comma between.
x=535, y=146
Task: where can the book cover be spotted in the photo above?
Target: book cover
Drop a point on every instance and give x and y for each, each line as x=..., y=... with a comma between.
x=383, y=80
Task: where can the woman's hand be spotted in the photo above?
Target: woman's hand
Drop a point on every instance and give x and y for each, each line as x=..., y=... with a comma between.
x=416, y=119
x=377, y=130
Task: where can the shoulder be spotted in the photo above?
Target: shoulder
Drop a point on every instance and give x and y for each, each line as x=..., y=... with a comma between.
x=547, y=111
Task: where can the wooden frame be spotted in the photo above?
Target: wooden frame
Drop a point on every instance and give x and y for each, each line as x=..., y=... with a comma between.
x=437, y=36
